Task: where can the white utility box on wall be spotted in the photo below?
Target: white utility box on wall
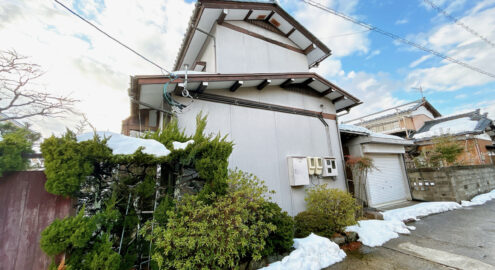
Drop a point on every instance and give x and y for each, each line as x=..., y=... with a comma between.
x=318, y=165
x=330, y=167
x=298, y=171
x=311, y=165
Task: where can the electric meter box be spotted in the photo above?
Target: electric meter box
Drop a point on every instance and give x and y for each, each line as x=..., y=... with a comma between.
x=318, y=165
x=298, y=171
x=329, y=167
x=311, y=165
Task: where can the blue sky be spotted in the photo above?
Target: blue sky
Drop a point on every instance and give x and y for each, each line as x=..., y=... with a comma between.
x=82, y=62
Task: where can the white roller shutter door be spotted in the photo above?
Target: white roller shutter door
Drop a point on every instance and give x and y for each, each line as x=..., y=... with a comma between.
x=388, y=183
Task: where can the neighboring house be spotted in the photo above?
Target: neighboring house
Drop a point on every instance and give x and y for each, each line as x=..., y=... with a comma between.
x=401, y=120
x=14, y=122
x=248, y=68
x=475, y=132
x=388, y=183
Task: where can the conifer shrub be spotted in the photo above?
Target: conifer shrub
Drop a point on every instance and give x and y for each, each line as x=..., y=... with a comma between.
x=282, y=239
x=15, y=143
x=69, y=163
x=85, y=238
x=328, y=211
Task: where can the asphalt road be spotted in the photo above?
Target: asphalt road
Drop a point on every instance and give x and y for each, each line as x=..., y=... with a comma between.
x=459, y=239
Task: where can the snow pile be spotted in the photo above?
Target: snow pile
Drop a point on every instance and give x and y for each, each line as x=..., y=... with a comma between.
x=181, y=146
x=454, y=126
x=419, y=210
x=125, y=145
x=377, y=232
x=312, y=252
x=480, y=199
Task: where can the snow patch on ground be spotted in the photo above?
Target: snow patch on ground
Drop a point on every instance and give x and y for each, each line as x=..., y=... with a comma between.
x=125, y=145
x=312, y=253
x=480, y=199
x=377, y=232
x=180, y=145
x=419, y=210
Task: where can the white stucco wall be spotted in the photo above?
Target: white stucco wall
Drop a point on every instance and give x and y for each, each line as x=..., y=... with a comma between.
x=208, y=53
x=264, y=139
x=241, y=53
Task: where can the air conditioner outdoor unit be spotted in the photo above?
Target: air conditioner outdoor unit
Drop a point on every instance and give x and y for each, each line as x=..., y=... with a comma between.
x=329, y=167
x=298, y=171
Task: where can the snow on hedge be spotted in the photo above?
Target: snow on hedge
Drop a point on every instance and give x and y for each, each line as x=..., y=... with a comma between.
x=377, y=232
x=125, y=145
x=419, y=210
x=312, y=252
x=180, y=145
x=480, y=199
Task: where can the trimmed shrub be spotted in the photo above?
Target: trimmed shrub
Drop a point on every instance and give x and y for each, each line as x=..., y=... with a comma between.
x=328, y=211
x=282, y=239
x=308, y=222
x=339, y=205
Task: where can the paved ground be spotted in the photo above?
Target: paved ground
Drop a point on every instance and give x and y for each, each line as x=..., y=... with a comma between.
x=459, y=239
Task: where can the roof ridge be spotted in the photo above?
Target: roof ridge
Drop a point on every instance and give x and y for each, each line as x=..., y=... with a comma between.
x=419, y=101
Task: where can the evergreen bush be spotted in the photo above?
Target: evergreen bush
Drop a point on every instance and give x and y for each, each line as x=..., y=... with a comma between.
x=328, y=211
x=14, y=145
x=219, y=235
x=282, y=239
x=308, y=222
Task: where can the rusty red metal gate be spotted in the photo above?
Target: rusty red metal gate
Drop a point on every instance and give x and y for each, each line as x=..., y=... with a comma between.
x=25, y=210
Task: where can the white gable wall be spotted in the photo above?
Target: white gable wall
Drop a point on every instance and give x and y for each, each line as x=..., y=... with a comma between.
x=240, y=53
x=264, y=139
x=422, y=110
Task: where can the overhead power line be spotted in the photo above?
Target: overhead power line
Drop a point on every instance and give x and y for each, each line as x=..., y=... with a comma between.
x=114, y=39
x=458, y=22
x=396, y=37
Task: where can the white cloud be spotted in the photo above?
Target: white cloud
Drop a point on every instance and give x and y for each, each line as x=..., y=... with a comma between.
x=402, y=21
x=374, y=90
x=452, y=40
x=420, y=60
x=80, y=60
x=373, y=54
x=330, y=29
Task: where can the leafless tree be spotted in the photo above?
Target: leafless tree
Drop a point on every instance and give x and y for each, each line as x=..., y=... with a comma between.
x=18, y=99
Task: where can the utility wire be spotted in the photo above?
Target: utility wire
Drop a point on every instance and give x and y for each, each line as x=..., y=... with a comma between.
x=114, y=39
x=396, y=37
x=458, y=22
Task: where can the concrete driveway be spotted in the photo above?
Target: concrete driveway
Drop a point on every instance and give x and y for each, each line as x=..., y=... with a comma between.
x=459, y=239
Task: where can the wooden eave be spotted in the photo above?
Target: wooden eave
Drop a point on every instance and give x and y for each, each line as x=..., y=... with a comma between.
x=219, y=4
x=137, y=81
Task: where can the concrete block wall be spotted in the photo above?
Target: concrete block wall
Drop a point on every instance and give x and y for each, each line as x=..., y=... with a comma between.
x=451, y=183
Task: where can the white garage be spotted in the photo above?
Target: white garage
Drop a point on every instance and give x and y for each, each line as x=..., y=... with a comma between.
x=387, y=184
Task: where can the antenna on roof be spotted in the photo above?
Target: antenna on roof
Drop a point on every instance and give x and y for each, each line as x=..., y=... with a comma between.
x=420, y=88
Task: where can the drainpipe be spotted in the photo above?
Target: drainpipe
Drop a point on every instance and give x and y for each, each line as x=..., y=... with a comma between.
x=342, y=150
x=214, y=45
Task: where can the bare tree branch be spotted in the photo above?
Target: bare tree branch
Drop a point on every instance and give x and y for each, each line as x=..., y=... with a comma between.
x=18, y=100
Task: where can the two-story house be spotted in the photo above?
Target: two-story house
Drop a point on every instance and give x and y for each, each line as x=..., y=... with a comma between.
x=473, y=131
x=248, y=67
x=402, y=120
